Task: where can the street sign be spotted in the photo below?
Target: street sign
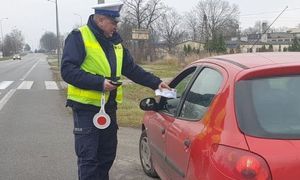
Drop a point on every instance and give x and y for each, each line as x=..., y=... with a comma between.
x=140, y=34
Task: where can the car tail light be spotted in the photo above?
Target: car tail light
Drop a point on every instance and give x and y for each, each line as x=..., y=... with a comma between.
x=239, y=164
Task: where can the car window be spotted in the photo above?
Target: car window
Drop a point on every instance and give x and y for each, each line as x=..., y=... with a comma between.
x=272, y=109
x=169, y=105
x=201, y=94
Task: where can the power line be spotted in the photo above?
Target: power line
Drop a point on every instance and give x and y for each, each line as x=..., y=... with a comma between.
x=270, y=25
x=270, y=12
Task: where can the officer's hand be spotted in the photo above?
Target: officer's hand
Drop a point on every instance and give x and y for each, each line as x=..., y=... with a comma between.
x=108, y=86
x=163, y=85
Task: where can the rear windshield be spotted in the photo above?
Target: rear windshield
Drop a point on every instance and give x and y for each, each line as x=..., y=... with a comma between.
x=269, y=107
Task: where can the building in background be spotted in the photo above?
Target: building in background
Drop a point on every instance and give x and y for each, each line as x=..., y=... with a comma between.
x=259, y=42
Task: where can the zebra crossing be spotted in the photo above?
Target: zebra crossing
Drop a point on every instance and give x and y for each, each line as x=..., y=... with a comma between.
x=26, y=85
x=5, y=84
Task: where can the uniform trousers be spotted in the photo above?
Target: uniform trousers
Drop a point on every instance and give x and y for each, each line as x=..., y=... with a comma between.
x=95, y=148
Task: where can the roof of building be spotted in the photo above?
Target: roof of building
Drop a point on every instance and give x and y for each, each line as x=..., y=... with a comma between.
x=294, y=30
x=277, y=35
x=190, y=41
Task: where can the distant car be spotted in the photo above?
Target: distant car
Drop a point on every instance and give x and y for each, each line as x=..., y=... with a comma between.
x=16, y=57
x=235, y=117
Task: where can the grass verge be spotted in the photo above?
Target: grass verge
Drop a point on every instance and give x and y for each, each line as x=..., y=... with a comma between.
x=129, y=114
x=5, y=58
x=163, y=69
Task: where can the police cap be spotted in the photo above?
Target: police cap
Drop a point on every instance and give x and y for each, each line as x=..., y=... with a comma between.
x=111, y=10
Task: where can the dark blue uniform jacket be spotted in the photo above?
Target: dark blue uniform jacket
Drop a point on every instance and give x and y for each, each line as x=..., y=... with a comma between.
x=74, y=55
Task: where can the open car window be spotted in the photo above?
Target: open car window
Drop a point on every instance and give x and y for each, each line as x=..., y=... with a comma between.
x=180, y=83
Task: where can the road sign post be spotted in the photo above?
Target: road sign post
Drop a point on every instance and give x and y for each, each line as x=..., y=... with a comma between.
x=139, y=36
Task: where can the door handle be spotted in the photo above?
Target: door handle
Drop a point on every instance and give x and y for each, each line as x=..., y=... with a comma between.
x=162, y=130
x=187, y=143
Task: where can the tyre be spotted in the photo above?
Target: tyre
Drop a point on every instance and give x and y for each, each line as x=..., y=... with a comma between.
x=145, y=155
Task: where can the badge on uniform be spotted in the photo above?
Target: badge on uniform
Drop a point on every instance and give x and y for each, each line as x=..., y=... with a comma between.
x=101, y=120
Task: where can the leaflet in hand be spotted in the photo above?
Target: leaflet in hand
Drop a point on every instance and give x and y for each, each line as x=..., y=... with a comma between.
x=166, y=93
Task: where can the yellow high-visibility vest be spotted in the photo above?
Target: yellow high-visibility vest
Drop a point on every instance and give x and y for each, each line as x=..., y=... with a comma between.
x=96, y=63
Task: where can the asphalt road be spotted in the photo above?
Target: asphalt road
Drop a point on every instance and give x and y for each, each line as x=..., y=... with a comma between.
x=36, y=140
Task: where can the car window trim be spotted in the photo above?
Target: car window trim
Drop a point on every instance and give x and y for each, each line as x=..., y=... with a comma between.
x=176, y=81
x=182, y=100
x=189, y=86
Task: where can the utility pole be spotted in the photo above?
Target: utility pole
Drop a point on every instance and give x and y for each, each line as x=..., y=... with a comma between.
x=57, y=33
x=206, y=31
x=238, y=50
x=2, y=39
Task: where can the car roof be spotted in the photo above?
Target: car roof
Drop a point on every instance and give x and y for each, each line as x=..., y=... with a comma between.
x=251, y=60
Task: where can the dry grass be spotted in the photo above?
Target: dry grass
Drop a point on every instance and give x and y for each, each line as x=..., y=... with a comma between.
x=129, y=114
x=164, y=69
x=5, y=58
x=52, y=61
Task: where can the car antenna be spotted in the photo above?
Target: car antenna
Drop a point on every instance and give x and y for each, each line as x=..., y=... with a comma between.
x=270, y=26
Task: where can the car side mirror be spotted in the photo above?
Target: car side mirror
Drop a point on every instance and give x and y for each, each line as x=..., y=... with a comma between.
x=148, y=104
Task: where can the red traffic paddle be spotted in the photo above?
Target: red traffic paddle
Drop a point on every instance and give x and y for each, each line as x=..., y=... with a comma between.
x=101, y=120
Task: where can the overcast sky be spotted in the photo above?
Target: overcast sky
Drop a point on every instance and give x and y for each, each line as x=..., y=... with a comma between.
x=34, y=17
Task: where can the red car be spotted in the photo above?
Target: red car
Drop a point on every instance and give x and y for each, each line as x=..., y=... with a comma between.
x=235, y=117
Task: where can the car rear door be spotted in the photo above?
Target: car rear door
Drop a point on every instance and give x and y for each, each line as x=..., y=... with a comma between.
x=187, y=125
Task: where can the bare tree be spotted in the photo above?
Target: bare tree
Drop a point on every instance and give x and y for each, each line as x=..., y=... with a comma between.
x=169, y=28
x=13, y=43
x=142, y=13
x=192, y=26
x=217, y=17
x=125, y=30
x=8, y=46
x=48, y=41
x=257, y=28
x=27, y=47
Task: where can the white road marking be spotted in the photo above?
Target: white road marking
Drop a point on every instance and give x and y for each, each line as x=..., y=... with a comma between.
x=7, y=96
x=28, y=72
x=25, y=85
x=51, y=85
x=5, y=84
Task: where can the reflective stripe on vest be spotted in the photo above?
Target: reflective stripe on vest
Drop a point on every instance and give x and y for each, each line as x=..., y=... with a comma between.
x=96, y=63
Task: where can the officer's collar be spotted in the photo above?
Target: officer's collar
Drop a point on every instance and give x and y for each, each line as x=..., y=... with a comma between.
x=115, y=39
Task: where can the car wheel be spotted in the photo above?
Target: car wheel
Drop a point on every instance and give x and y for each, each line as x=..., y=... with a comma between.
x=145, y=155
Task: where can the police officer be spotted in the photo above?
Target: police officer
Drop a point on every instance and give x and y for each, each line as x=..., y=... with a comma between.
x=93, y=57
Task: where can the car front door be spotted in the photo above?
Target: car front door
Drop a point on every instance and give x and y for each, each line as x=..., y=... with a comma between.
x=161, y=120
x=187, y=123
